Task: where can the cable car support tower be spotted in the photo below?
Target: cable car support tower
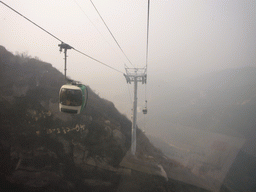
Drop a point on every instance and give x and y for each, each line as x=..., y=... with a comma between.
x=135, y=75
x=65, y=47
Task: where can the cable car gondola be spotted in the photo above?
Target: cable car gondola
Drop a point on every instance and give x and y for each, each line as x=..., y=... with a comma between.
x=145, y=109
x=73, y=98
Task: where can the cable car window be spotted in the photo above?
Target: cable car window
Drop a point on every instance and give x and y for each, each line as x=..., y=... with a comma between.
x=71, y=97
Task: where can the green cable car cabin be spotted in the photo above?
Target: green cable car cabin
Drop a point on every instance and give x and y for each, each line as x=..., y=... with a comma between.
x=73, y=98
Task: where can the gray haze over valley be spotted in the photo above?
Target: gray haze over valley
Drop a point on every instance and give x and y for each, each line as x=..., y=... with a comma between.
x=201, y=76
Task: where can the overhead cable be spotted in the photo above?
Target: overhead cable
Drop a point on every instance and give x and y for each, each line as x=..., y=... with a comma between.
x=147, y=36
x=58, y=38
x=146, y=67
x=111, y=33
x=97, y=61
x=98, y=30
x=30, y=21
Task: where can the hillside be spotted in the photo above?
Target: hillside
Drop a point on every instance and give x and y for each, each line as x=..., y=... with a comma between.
x=45, y=150
x=205, y=128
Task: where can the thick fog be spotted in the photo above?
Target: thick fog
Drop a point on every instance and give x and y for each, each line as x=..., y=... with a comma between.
x=190, y=42
x=185, y=37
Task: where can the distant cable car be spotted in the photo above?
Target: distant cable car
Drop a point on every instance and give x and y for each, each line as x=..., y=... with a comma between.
x=73, y=98
x=145, y=109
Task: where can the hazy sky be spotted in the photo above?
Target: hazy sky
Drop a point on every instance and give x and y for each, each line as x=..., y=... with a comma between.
x=185, y=37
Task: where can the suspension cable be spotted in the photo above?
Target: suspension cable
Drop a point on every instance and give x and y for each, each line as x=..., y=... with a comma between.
x=58, y=38
x=31, y=21
x=98, y=31
x=146, y=67
x=98, y=61
x=147, y=36
x=111, y=33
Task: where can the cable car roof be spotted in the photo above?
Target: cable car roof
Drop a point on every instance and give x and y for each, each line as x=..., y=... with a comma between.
x=74, y=87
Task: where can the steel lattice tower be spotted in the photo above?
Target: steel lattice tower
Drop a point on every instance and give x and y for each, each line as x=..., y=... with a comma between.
x=135, y=75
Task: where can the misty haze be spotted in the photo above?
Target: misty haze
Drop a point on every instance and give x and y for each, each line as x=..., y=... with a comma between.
x=196, y=64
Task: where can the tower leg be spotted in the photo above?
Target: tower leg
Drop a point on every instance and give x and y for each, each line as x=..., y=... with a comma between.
x=65, y=69
x=134, y=127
